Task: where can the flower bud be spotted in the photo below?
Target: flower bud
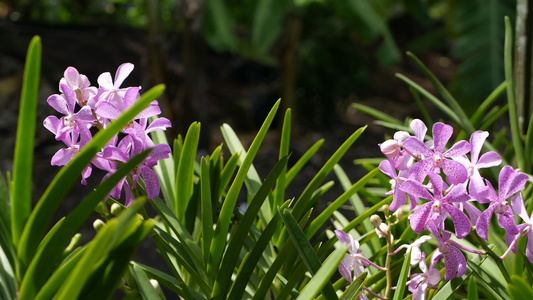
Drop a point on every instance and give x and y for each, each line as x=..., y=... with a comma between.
x=375, y=220
x=390, y=148
x=115, y=209
x=155, y=284
x=386, y=209
x=98, y=224
x=398, y=213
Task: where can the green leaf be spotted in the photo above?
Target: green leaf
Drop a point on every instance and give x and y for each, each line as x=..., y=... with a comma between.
x=328, y=211
x=323, y=275
x=519, y=288
x=222, y=226
x=250, y=263
x=163, y=278
x=307, y=254
x=146, y=289
x=44, y=211
x=402, y=279
x=279, y=193
x=50, y=250
x=165, y=168
x=217, y=26
x=355, y=287
x=185, y=174
x=23, y=155
x=207, y=210
x=472, y=289
x=377, y=114
x=522, y=159
x=115, y=232
x=267, y=23
x=5, y=209
x=237, y=240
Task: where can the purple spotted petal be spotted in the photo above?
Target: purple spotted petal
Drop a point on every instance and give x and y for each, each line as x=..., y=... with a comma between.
x=417, y=147
x=450, y=264
x=151, y=182
x=458, y=149
x=455, y=172
x=507, y=222
x=482, y=225
x=415, y=188
x=419, y=170
x=477, y=139
x=399, y=198
x=457, y=194
x=529, y=247
x=489, y=159
x=419, y=217
x=519, y=208
x=460, y=221
x=59, y=103
x=122, y=72
x=441, y=134
x=419, y=128
x=343, y=237
x=62, y=157
x=510, y=181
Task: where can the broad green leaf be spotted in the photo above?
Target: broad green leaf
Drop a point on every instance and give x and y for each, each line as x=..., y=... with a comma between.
x=307, y=253
x=323, y=275
x=237, y=240
x=23, y=155
x=44, y=211
x=50, y=250
x=222, y=226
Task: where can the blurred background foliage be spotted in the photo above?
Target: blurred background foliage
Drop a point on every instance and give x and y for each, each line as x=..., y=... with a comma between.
x=317, y=55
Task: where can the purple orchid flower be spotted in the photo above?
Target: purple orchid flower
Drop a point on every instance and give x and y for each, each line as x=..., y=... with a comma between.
x=420, y=283
x=434, y=161
x=79, y=83
x=524, y=229
x=109, y=90
x=71, y=121
x=490, y=159
x=399, y=196
x=438, y=206
x=510, y=182
x=354, y=259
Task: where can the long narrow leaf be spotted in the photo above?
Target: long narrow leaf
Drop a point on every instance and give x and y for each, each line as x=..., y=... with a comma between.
x=185, y=174
x=306, y=252
x=23, y=158
x=236, y=243
x=217, y=247
x=402, y=279
x=51, y=248
x=322, y=276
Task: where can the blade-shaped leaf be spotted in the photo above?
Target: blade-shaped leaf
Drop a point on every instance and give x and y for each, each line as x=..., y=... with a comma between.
x=23, y=155
x=307, y=253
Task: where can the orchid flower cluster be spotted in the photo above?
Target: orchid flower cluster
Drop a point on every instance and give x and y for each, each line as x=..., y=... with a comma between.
x=86, y=109
x=444, y=183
